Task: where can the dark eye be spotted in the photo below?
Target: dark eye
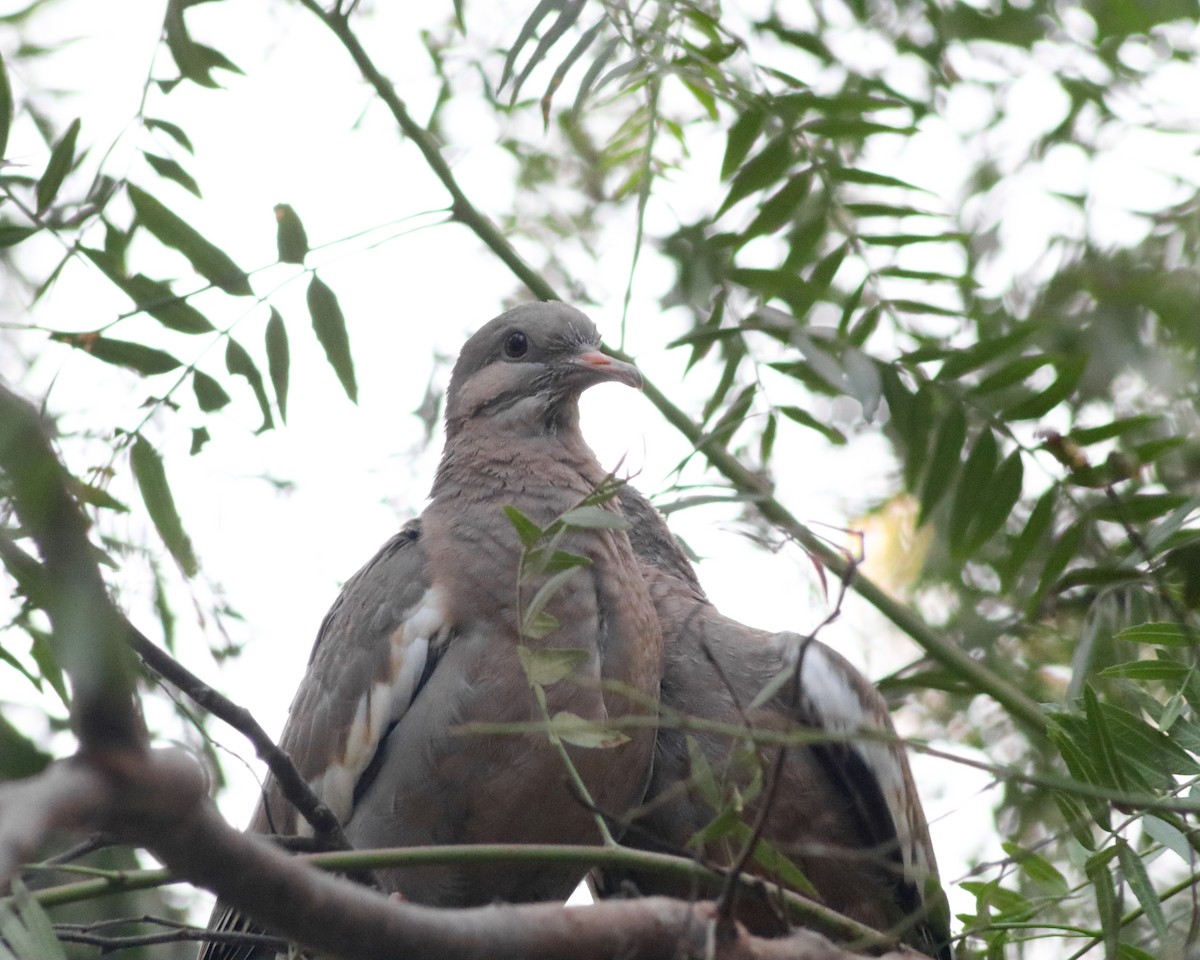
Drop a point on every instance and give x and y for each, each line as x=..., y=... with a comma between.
x=516, y=345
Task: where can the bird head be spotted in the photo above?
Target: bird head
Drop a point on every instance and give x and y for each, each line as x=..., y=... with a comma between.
x=526, y=369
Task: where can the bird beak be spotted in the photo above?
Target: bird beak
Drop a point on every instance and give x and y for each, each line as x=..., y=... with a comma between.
x=600, y=367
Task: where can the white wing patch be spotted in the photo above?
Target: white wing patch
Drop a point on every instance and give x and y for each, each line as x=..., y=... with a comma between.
x=382, y=704
x=838, y=707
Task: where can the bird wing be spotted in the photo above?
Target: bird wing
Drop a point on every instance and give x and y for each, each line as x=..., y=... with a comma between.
x=375, y=648
x=376, y=643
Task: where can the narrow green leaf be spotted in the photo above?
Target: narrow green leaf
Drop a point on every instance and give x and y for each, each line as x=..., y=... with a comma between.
x=239, y=363
x=62, y=157
x=595, y=518
x=278, y=360
x=208, y=260
x=546, y=593
x=850, y=175
x=980, y=354
x=1139, y=882
x=6, y=108
x=1038, y=869
x=200, y=436
x=1031, y=535
x=97, y=497
x=291, y=240
x=1157, y=634
x=824, y=272
x=994, y=512
x=767, y=167
x=806, y=419
x=330, y=327
x=210, y=395
x=172, y=130
x=160, y=504
x=740, y=139
x=766, y=442
x=573, y=729
x=1069, y=372
x=547, y=666
x=1138, y=508
x=540, y=626
x=19, y=757
x=1147, y=670
x=136, y=356
x=1011, y=373
x=781, y=207
x=11, y=234
x=942, y=468
x=1103, y=749
x=1088, y=435
x=172, y=170
x=564, y=560
x=779, y=866
x=1062, y=553
x=973, y=490
x=528, y=532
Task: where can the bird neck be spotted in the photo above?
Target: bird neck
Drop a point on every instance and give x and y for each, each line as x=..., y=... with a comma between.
x=506, y=455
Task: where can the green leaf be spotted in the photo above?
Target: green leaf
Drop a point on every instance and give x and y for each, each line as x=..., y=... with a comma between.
x=942, y=467
x=330, y=327
x=1138, y=508
x=1011, y=373
x=208, y=260
x=200, y=436
x=195, y=60
x=540, y=626
x=781, y=207
x=11, y=234
x=545, y=594
x=974, y=489
x=160, y=504
x=238, y=362
x=1038, y=869
x=62, y=157
x=980, y=354
x=172, y=130
x=765, y=169
x=136, y=356
x=1069, y=372
x=210, y=395
x=1147, y=670
x=1085, y=436
x=1031, y=535
x=1139, y=882
x=1158, y=634
x=528, y=532
x=742, y=135
x=547, y=666
x=19, y=756
x=995, y=511
x=290, y=238
x=594, y=518
x=851, y=175
x=588, y=734
x=95, y=496
x=155, y=297
x=806, y=419
x=779, y=866
x=1063, y=552
x=6, y=108
x=172, y=170
x=26, y=932
x=278, y=360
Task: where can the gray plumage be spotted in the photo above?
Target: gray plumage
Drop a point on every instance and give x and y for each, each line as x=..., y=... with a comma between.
x=424, y=639
x=846, y=812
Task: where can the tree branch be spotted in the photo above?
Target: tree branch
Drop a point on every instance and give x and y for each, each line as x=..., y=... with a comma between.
x=944, y=651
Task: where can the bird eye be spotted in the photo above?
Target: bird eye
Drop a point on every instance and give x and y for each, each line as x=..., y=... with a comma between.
x=516, y=345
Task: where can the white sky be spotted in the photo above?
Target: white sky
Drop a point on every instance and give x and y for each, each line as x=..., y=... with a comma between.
x=302, y=129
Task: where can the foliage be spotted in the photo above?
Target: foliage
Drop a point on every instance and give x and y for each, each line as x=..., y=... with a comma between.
x=1036, y=380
